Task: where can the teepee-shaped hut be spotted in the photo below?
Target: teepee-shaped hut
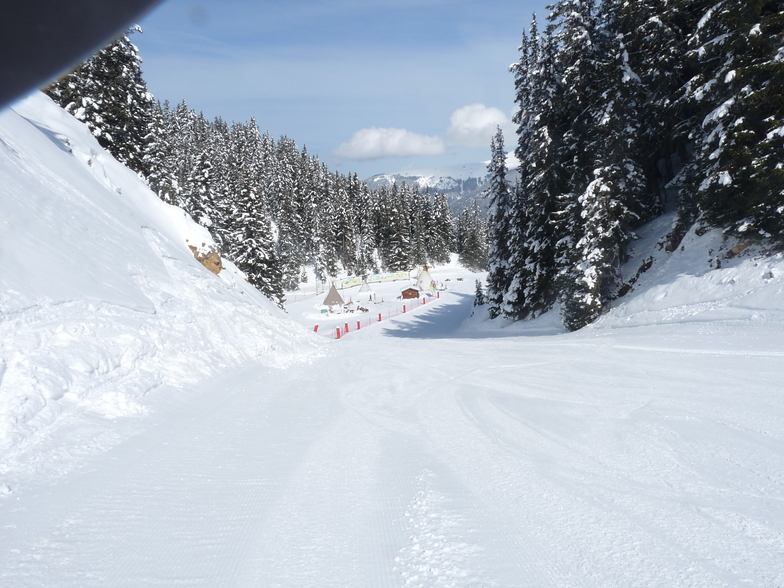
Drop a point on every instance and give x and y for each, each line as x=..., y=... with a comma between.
x=365, y=287
x=333, y=298
x=425, y=281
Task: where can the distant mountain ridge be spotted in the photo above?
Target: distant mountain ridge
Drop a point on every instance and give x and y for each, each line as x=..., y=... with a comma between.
x=461, y=184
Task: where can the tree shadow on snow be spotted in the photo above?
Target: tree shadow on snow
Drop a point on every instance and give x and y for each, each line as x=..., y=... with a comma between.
x=446, y=321
x=60, y=140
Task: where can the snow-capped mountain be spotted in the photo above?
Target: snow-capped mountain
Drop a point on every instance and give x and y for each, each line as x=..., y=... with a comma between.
x=460, y=183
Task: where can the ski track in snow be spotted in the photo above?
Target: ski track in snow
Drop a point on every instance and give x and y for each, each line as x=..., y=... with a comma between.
x=433, y=556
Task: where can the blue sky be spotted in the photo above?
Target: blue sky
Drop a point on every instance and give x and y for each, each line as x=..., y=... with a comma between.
x=370, y=86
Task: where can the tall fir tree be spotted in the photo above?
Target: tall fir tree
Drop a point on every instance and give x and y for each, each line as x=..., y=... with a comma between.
x=442, y=230
x=543, y=180
x=107, y=93
x=473, y=252
x=501, y=215
x=741, y=143
x=617, y=199
x=160, y=158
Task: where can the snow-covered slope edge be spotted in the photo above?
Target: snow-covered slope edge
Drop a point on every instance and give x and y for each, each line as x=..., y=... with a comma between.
x=710, y=283
x=101, y=301
x=710, y=279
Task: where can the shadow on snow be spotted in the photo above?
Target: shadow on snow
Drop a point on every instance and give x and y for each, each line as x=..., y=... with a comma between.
x=446, y=321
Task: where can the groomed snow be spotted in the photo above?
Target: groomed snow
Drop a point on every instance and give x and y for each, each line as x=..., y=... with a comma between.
x=435, y=449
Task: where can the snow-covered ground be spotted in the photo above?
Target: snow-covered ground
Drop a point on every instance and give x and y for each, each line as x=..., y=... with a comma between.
x=101, y=300
x=382, y=301
x=431, y=450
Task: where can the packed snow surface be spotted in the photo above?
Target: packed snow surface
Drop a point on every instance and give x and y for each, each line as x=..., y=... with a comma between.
x=429, y=450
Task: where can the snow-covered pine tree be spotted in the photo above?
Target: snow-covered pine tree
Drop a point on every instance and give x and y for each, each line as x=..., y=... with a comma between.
x=499, y=226
x=397, y=234
x=363, y=215
x=543, y=179
x=283, y=191
x=251, y=244
x=655, y=48
x=107, y=93
x=345, y=224
x=473, y=254
x=308, y=185
x=740, y=47
x=265, y=170
x=479, y=297
x=442, y=230
x=419, y=222
x=328, y=225
x=197, y=194
x=182, y=123
x=226, y=180
x=160, y=158
x=617, y=199
x=680, y=115
x=577, y=33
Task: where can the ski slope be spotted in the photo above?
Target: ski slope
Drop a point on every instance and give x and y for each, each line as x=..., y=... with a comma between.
x=424, y=453
x=163, y=426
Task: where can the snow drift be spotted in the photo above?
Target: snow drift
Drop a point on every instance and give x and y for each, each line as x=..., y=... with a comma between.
x=711, y=282
x=102, y=300
x=710, y=278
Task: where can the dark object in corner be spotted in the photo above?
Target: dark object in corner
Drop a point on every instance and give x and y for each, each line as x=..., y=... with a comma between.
x=40, y=39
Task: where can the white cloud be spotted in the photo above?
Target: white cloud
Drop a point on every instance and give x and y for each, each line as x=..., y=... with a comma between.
x=378, y=143
x=476, y=124
x=472, y=125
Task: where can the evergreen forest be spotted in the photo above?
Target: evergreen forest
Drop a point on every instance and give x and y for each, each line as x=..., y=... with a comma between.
x=629, y=109
x=272, y=208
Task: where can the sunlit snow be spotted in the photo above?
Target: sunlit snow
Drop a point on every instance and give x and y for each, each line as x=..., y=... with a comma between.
x=163, y=426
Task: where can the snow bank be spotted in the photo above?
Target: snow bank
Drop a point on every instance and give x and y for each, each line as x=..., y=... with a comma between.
x=710, y=278
x=709, y=282
x=101, y=300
